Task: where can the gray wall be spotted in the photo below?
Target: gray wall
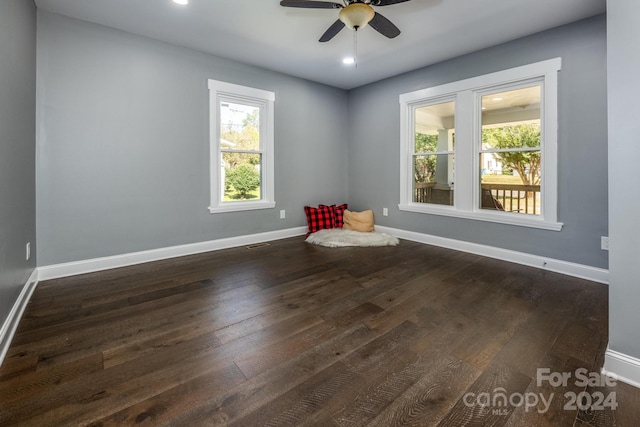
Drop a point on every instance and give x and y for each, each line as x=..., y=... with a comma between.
x=17, y=147
x=123, y=165
x=624, y=181
x=374, y=113
x=123, y=140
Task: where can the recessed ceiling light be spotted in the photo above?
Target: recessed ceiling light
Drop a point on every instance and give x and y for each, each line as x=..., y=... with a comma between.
x=497, y=99
x=348, y=61
x=181, y=2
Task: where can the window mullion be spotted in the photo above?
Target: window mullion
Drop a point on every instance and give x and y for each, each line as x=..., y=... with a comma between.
x=214, y=149
x=509, y=150
x=406, y=147
x=549, y=164
x=431, y=153
x=464, y=153
x=226, y=150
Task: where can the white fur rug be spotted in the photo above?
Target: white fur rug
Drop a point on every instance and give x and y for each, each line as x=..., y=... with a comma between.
x=339, y=237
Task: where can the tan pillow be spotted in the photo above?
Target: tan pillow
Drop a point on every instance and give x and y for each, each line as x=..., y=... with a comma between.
x=358, y=221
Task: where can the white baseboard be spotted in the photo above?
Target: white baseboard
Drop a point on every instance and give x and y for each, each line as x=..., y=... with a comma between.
x=622, y=367
x=11, y=323
x=98, y=264
x=571, y=269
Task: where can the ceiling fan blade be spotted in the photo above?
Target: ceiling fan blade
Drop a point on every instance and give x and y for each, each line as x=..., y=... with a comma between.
x=309, y=4
x=332, y=31
x=384, y=26
x=386, y=2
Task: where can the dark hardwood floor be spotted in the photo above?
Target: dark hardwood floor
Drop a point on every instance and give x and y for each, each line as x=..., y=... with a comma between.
x=295, y=334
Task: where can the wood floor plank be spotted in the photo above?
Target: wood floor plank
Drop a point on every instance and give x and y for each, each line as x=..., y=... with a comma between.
x=253, y=363
x=469, y=411
x=293, y=407
x=33, y=383
x=480, y=349
x=627, y=412
x=381, y=387
x=17, y=363
x=143, y=311
x=532, y=342
x=431, y=397
x=166, y=406
x=264, y=388
x=550, y=411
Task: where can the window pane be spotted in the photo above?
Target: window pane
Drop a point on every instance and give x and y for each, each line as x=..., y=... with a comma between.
x=434, y=137
x=434, y=126
x=510, y=151
x=241, y=176
x=504, y=190
x=433, y=179
x=239, y=126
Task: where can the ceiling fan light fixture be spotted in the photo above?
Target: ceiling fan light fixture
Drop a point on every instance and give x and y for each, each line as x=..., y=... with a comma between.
x=356, y=15
x=181, y=2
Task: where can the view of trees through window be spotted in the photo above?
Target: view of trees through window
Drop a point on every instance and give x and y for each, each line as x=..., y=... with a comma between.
x=433, y=159
x=510, y=152
x=240, y=150
x=425, y=166
x=523, y=164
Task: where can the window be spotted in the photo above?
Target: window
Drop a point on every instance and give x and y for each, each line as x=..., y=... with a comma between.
x=242, y=134
x=433, y=153
x=510, y=151
x=499, y=132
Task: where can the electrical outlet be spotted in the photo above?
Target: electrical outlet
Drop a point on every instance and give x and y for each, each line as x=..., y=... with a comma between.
x=283, y=214
x=604, y=243
x=28, y=251
x=385, y=212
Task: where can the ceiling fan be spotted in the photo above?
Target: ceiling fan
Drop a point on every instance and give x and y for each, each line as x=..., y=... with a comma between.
x=354, y=14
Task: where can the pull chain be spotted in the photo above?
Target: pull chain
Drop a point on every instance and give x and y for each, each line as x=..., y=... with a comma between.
x=355, y=47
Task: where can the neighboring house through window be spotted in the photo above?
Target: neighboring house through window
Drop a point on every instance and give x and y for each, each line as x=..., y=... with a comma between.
x=484, y=148
x=242, y=140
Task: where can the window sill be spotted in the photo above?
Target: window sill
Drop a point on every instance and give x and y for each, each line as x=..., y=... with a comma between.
x=241, y=206
x=489, y=216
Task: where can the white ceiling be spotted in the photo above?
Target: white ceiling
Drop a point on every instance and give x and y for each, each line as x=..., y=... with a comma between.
x=263, y=33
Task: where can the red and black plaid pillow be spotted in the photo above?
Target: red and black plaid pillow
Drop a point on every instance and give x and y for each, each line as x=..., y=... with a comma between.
x=319, y=218
x=338, y=214
x=325, y=217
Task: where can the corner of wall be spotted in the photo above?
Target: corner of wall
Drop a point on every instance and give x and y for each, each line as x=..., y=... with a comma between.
x=622, y=367
x=10, y=325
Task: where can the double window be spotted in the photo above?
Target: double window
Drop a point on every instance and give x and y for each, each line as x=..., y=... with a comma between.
x=484, y=148
x=241, y=147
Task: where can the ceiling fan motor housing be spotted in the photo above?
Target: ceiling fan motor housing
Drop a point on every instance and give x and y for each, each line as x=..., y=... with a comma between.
x=356, y=15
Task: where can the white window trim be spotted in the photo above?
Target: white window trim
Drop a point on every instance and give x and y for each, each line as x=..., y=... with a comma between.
x=467, y=119
x=264, y=99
